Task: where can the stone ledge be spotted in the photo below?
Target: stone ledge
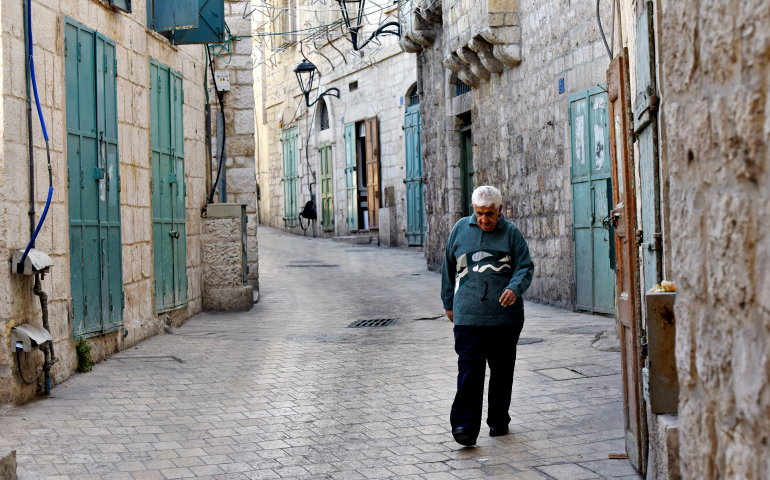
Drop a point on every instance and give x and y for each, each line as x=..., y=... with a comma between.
x=8, y=464
x=354, y=239
x=229, y=299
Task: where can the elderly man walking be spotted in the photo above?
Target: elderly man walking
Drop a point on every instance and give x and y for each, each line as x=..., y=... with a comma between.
x=487, y=268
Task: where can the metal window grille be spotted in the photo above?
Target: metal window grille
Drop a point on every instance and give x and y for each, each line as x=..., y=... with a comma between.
x=462, y=88
x=324, y=116
x=414, y=98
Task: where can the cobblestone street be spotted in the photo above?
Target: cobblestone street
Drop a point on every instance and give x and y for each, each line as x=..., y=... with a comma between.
x=287, y=390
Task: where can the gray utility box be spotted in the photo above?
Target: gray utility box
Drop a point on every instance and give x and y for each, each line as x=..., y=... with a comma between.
x=225, y=264
x=661, y=338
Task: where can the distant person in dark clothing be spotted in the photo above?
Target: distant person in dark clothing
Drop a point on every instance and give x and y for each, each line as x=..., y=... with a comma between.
x=487, y=268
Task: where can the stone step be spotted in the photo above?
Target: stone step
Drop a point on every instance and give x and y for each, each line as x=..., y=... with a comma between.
x=354, y=239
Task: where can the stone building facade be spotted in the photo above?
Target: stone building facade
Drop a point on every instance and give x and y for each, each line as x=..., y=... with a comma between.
x=372, y=85
x=134, y=260
x=513, y=55
x=715, y=61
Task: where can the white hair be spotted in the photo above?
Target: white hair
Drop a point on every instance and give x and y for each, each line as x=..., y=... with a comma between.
x=487, y=196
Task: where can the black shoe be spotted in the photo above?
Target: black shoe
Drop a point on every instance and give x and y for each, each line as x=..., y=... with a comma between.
x=463, y=437
x=498, y=431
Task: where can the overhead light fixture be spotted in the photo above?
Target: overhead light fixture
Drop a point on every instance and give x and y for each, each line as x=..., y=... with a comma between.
x=353, y=15
x=305, y=75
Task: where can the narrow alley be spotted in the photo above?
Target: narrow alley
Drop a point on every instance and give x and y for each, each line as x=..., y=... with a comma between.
x=287, y=390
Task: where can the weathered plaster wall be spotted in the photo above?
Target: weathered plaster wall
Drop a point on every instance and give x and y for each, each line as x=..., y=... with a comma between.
x=716, y=60
x=520, y=132
x=135, y=46
x=382, y=92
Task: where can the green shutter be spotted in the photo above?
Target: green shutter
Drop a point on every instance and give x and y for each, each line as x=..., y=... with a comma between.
x=591, y=189
x=168, y=187
x=351, y=179
x=93, y=167
x=174, y=14
x=290, y=177
x=211, y=25
x=327, y=187
x=414, y=201
x=123, y=5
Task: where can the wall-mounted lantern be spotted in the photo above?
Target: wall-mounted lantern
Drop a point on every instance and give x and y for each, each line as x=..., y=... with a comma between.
x=305, y=75
x=353, y=15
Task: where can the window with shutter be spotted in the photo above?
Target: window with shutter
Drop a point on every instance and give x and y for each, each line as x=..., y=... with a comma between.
x=168, y=187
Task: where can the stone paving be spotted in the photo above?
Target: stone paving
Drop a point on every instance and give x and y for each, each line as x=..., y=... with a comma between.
x=287, y=390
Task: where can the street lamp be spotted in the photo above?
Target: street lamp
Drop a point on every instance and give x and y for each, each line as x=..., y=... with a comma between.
x=353, y=15
x=305, y=75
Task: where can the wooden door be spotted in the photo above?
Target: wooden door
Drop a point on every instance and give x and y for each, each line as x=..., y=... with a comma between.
x=415, y=216
x=624, y=221
x=327, y=187
x=290, y=177
x=93, y=181
x=372, y=171
x=466, y=168
x=646, y=128
x=168, y=187
x=351, y=179
x=591, y=197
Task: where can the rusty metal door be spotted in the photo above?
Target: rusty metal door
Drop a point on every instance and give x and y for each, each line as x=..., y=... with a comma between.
x=624, y=221
x=373, y=171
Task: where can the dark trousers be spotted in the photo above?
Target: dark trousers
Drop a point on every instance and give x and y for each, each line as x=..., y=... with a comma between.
x=477, y=346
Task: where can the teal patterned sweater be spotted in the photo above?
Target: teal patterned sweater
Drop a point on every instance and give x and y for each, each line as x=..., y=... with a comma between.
x=479, y=266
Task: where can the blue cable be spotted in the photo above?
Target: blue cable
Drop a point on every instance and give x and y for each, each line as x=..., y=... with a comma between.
x=20, y=268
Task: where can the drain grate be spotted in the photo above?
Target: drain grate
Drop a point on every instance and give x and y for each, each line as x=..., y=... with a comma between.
x=373, y=322
x=313, y=265
x=529, y=341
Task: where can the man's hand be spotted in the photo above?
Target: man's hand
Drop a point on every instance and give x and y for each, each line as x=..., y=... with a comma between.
x=508, y=298
x=450, y=315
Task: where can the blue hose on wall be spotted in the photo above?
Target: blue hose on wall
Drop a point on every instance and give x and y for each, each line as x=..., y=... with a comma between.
x=45, y=136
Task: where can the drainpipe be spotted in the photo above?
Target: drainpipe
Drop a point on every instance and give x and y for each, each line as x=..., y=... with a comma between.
x=27, y=36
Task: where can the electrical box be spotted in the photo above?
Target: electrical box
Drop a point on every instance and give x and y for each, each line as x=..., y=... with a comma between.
x=29, y=337
x=36, y=262
x=222, y=79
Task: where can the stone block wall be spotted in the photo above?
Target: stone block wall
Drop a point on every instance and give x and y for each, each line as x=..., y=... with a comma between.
x=716, y=58
x=240, y=127
x=521, y=132
x=135, y=46
x=223, y=287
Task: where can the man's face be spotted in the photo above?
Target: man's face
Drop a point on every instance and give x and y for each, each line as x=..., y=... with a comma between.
x=488, y=216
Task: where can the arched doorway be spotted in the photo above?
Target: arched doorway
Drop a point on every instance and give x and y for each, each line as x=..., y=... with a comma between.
x=415, y=231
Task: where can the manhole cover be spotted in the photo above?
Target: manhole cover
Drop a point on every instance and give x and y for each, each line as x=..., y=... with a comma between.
x=528, y=341
x=372, y=322
x=324, y=338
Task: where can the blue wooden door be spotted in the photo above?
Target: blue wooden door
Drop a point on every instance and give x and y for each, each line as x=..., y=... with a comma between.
x=168, y=187
x=290, y=177
x=591, y=194
x=415, y=211
x=93, y=181
x=351, y=179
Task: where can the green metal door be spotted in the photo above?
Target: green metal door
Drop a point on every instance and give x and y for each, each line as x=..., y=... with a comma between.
x=327, y=187
x=646, y=127
x=591, y=191
x=168, y=187
x=290, y=177
x=415, y=212
x=351, y=180
x=93, y=181
x=466, y=168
